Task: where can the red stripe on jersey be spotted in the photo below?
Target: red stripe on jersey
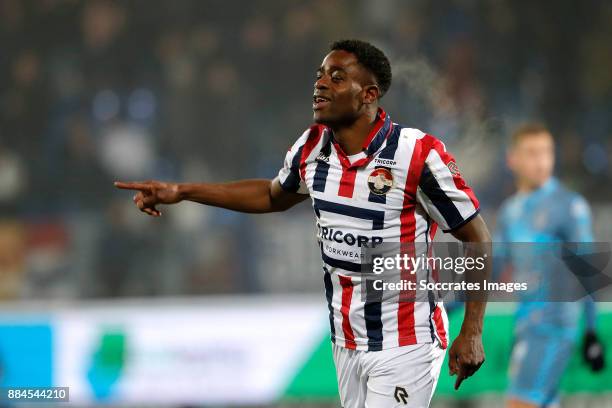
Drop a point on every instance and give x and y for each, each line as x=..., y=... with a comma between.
x=432, y=231
x=316, y=132
x=407, y=219
x=446, y=157
x=345, y=161
x=440, y=329
x=347, y=182
x=347, y=295
x=405, y=312
x=349, y=171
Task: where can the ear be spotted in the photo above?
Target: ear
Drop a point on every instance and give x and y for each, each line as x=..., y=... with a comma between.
x=371, y=94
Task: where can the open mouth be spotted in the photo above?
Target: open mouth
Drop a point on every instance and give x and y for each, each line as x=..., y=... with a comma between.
x=319, y=102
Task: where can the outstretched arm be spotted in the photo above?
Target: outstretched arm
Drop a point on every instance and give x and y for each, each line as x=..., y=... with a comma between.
x=249, y=196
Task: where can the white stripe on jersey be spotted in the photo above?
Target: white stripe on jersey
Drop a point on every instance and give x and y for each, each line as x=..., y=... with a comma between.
x=351, y=211
x=445, y=179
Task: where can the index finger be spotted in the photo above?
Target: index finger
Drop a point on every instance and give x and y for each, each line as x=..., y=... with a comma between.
x=132, y=185
x=459, y=380
x=461, y=375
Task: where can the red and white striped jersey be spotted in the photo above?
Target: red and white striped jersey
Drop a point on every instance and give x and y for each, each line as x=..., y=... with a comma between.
x=397, y=190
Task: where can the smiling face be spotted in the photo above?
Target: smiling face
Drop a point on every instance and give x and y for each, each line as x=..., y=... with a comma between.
x=343, y=90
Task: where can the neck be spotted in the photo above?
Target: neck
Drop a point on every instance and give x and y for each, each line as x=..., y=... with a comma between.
x=523, y=186
x=352, y=137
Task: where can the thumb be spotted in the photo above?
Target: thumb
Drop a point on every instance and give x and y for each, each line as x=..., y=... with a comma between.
x=150, y=200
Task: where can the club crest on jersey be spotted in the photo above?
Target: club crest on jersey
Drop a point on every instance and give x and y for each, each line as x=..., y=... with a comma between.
x=380, y=181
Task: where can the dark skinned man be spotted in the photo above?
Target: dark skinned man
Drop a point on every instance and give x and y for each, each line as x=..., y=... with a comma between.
x=371, y=182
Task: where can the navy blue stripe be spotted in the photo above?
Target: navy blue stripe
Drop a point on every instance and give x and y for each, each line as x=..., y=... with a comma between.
x=337, y=263
x=377, y=198
x=329, y=293
x=295, y=163
x=465, y=221
x=431, y=310
x=377, y=217
x=429, y=185
x=432, y=305
x=380, y=137
x=387, y=153
x=322, y=169
x=373, y=316
x=292, y=182
x=430, y=293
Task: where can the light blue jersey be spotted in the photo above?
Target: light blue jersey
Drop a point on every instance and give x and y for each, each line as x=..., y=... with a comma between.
x=545, y=332
x=550, y=214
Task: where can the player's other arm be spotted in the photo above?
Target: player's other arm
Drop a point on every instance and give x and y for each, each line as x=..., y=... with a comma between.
x=579, y=228
x=466, y=354
x=451, y=203
x=249, y=196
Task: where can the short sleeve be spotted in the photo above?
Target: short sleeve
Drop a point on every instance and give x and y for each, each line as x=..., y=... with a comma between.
x=289, y=175
x=442, y=191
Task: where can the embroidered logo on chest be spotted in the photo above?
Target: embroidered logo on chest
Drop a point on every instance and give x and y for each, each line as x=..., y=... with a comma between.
x=380, y=181
x=384, y=162
x=322, y=157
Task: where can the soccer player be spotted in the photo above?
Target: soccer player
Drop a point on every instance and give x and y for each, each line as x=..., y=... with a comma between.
x=542, y=211
x=370, y=181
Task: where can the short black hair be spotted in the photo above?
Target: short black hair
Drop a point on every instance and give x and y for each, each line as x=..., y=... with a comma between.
x=373, y=59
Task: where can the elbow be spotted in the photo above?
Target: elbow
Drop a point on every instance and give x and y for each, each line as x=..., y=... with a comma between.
x=474, y=231
x=483, y=235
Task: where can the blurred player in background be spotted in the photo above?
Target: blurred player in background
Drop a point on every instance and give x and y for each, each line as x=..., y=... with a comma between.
x=370, y=181
x=543, y=211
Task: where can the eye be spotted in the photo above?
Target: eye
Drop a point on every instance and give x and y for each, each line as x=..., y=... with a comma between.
x=318, y=75
x=337, y=77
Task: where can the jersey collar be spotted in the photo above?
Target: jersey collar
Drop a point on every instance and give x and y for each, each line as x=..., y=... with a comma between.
x=548, y=186
x=372, y=143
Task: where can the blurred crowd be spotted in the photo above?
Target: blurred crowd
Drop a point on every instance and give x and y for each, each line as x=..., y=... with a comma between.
x=213, y=90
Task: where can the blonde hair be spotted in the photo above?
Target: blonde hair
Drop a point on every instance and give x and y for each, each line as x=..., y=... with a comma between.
x=526, y=130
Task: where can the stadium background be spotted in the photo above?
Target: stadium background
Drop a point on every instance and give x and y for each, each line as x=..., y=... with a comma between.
x=208, y=307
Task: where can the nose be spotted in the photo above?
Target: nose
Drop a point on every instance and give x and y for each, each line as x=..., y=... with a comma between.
x=321, y=83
